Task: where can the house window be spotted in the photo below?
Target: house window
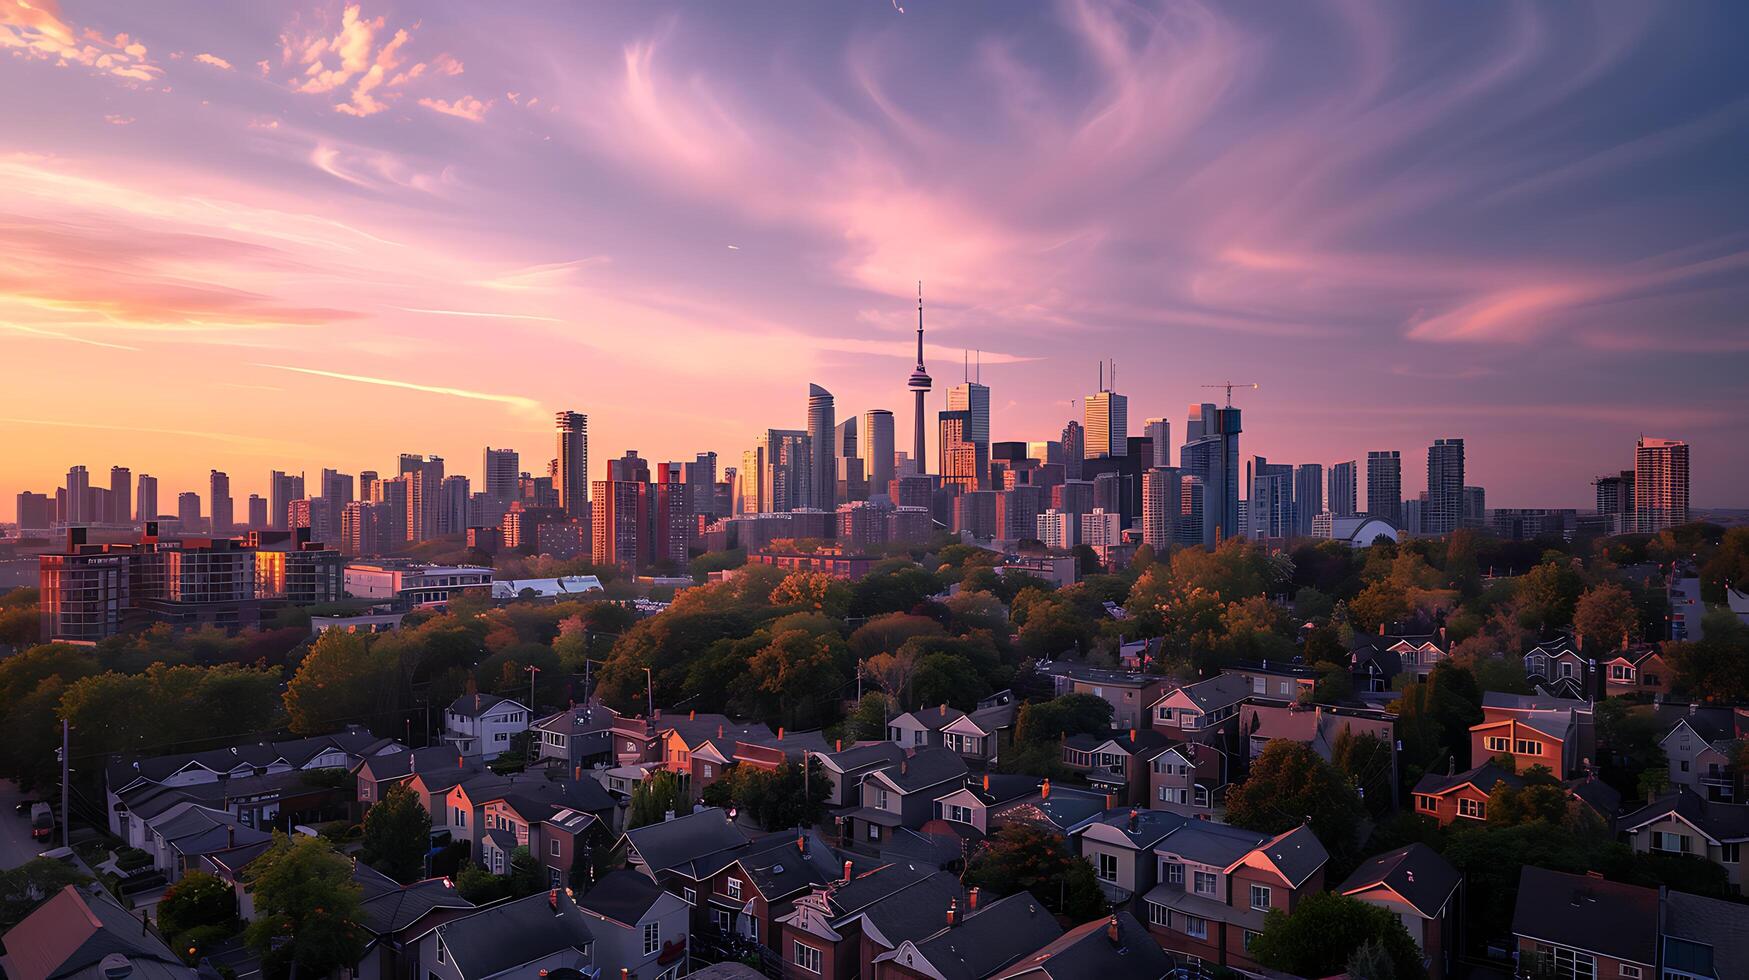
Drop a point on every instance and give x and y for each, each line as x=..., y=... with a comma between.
x=1669, y=843
x=881, y=798
x=724, y=919
x=1196, y=928
x=917, y=737
x=442, y=951
x=553, y=847
x=553, y=877
x=1260, y=897
x=691, y=895
x=1175, y=874
x=1250, y=937
x=1630, y=971
x=500, y=736
x=1684, y=765
x=707, y=770
x=1567, y=964
x=1107, y=867
x=652, y=937
x=874, y=831
x=1427, y=804
x=733, y=887
x=959, y=814
x=1728, y=853
x=1498, y=744
x=1525, y=746
x=1204, y=883
x=1164, y=714
x=753, y=927
x=1473, y=809
x=807, y=957
x=1159, y=915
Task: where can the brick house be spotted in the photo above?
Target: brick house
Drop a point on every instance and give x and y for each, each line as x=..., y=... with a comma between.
x=1584, y=926
x=1189, y=778
x=1130, y=694
x=902, y=796
x=752, y=885
x=1207, y=711
x=1116, y=764
x=972, y=943
x=838, y=929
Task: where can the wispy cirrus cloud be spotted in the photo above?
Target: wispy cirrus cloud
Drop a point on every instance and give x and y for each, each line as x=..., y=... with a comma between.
x=526, y=406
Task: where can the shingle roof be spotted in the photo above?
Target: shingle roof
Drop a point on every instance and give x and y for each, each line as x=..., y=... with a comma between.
x=623, y=896
x=779, y=868
x=475, y=705
x=499, y=938
x=1483, y=777
x=390, y=906
x=1003, y=932
x=683, y=840
x=297, y=753
x=926, y=768
x=913, y=912
x=1723, y=822
x=1417, y=873
x=1090, y=950
x=936, y=718
x=1713, y=922
x=871, y=754
x=1217, y=692
x=1587, y=913
x=75, y=930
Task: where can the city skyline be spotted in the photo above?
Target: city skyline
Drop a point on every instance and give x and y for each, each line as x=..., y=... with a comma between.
x=237, y=245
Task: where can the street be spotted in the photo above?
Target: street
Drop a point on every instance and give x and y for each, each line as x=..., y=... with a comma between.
x=16, y=844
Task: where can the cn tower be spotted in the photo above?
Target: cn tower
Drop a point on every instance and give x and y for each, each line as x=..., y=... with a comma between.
x=919, y=383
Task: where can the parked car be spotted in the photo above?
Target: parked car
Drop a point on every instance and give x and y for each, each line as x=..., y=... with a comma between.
x=42, y=821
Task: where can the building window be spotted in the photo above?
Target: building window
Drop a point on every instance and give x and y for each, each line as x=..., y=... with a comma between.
x=1669, y=843
x=1728, y=853
x=1196, y=928
x=1159, y=915
x=753, y=927
x=733, y=887
x=917, y=737
x=1175, y=874
x=691, y=895
x=807, y=957
x=1498, y=744
x=1564, y=963
x=652, y=937
x=874, y=831
x=707, y=770
x=1526, y=746
x=1427, y=804
x=724, y=919
x=1107, y=867
x=881, y=798
x=1630, y=971
x=1474, y=809
x=1204, y=883
x=442, y=951
x=959, y=814
x=1260, y=897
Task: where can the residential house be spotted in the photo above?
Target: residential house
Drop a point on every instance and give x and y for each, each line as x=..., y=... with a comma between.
x=1424, y=891
x=1217, y=884
x=1702, y=938
x=902, y=796
x=377, y=773
x=1274, y=679
x=979, y=944
x=1117, y=763
x=967, y=808
x=682, y=855
x=588, y=735
x=1207, y=711
x=566, y=824
x=637, y=926
x=1584, y=926
x=838, y=929
x=1681, y=822
x=1116, y=947
x=750, y=886
x=1639, y=669
x=702, y=747
x=182, y=835
x=1188, y=778
x=845, y=768
x=1058, y=809
x=1130, y=694
x=1377, y=660
x=483, y=724
x=1702, y=749
x=922, y=728
x=393, y=915
x=77, y=933
x=1461, y=795
x=1557, y=666
x=534, y=936
x=1320, y=726
x=432, y=787
x=1119, y=843
x=1554, y=733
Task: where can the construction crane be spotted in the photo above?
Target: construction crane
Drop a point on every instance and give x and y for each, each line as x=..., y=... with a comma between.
x=1230, y=385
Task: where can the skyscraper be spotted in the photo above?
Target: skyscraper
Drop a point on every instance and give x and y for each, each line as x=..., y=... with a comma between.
x=876, y=449
x=282, y=489
x=188, y=511
x=1159, y=432
x=783, y=457
x=452, y=505
x=1074, y=450
x=257, y=512
x=1212, y=457
x=573, y=463
x=219, y=492
x=424, y=478
x=1162, y=503
x=500, y=470
x=1444, y=512
x=1660, y=484
x=1105, y=419
x=146, y=500
x=701, y=477
x=1344, y=489
x=1271, y=499
x=974, y=399
x=78, y=482
x=1308, y=496
x=121, y=495
x=621, y=524
x=1615, y=501
x=919, y=383
x=961, y=458
x=822, y=437
x=337, y=488
x=1384, y=485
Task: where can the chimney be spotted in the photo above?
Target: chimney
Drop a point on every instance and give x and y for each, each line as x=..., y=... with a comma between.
x=847, y=871
x=953, y=909
x=1132, y=736
x=780, y=733
x=1111, y=801
x=1381, y=629
x=458, y=761
x=231, y=835
x=838, y=746
x=553, y=899
x=577, y=774
x=719, y=731
x=972, y=900
x=476, y=700
x=802, y=844
x=625, y=973
x=1044, y=790
x=1135, y=819
x=944, y=709
x=986, y=782
x=904, y=766
x=1111, y=931
x=692, y=715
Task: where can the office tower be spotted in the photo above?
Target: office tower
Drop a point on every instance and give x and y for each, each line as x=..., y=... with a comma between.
x=748, y=499
x=188, y=510
x=1271, y=500
x=776, y=472
x=219, y=493
x=1105, y=420
x=961, y=459
x=1445, y=487
x=1017, y=512
x=701, y=476
x=1190, y=513
x=396, y=496
x=362, y=524
x=36, y=512
x=121, y=495
x=919, y=384
x=452, y=505
x=1344, y=489
x=876, y=448
x=1162, y=501
x=629, y=468
x=1615, y=501
x=572, y=478
x=424, y=478
x=367, y=483
x=146, y=498
x=78, y=482
x=1384, y=485
x=844, y=437
x=974, y=513
x=1212, y=456
x=1046, y=451
x=974, y=399
x=1074, y=450
x=1159, y=432
x=1475, y=507
x=822, y=438
x=673, y=526
x=1308, y=496
x=1660, y=484
x=282, y=489
x=620, y=521
x=500, y=469
x=1073, y=497
x=257, y=512
x=724, y=494
x=318, y=515
x=1415, y=515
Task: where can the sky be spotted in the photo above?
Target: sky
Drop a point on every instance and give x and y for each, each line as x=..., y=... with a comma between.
x=296, y=235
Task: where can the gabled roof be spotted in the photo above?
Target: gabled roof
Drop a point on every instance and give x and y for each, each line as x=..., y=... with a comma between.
x=74, y=930
x=1694, y=922
x=1416, y=873
x=1296, y=855
x=1098, y=675
x=389, y=906
x=1721, y=823
x=932, y=719
x=1219, y=691
x=862, y=756
x=1116, y=947
x=995, y=788
x=1586, y=913
x=909, y=912
x=475, y=705
x=1141, y=828
x=623, y=896
x=926, y=768
x=506, y=936
x=778, y=867
x=431, y=758
x=673, y=844
x=994, y=718
x=1003, y=932
x=297, y=753
x=1482, y=777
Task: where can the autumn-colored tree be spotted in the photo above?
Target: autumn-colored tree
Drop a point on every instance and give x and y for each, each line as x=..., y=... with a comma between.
x=813, y=592
x=1606, y=617
x=306, y=908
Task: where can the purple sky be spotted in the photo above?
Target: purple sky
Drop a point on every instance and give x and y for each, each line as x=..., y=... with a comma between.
x=260, y=236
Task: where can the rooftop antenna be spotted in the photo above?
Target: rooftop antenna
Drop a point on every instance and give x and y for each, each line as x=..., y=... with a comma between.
x=1101, y=375
x=965, y=365
x=978, y=366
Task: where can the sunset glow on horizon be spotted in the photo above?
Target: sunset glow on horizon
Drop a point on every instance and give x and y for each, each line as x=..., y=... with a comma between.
x=288, y=237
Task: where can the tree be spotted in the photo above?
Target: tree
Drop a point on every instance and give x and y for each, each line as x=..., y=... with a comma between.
x=1289, y=785
x=339, y=681
x=1070, y=714
x=868, y=720
x=397, y=833
x=1729, y=566
x=1366, y=760
x=1326, y=930
x=25, y=887
x=797, y=678
x=306, y=908
x=887, y=632
x=653, y=799
x=198, y=904
x=1606, y=617
x=1371, y=961
x=1023, y=857
x=774, y=799
x=1549, y=593
x=945, y=678
x=813, y=592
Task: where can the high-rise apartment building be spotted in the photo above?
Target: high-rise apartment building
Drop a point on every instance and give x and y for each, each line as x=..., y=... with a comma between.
x=1308, y=496
x=1615, y=501
x=364, y=528
x=1475, y=507
x=219, y=493
x=36, y=511
x=822, y=437
x=257, y=512
x=572, y=478
x=974, y=399
x=78, y=483
x=121, y=495
x=1074, y=449
x=367, y=482
x=282, y=489
x=424, y=478
x=500, y=469
x=621, y=520
x=701, y=476
x=452, y=504
x=1105, y=420
x=779, y=468
x=396, y=496
x=1159, y=433
x=1384, y=485
x=1444, y=512
x=188, y=511
x=1272, y=499
x=1660, y=484
x=673, y=526
x=1017, y=512
x=146, y=499
x=1162, y=501
x=1344, y=489
x=961, y=458
x=875, y=446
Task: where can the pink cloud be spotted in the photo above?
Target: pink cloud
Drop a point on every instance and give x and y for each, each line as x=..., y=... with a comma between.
x=214, y=60
x=467, y=107
x=34, y=29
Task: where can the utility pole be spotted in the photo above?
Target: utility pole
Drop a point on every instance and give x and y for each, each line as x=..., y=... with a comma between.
x=532, y=670
x=650, y=695
x=65, y=769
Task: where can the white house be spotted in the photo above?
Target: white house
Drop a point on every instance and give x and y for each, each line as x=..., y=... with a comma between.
x=482, y=724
